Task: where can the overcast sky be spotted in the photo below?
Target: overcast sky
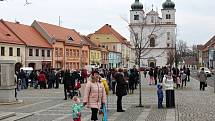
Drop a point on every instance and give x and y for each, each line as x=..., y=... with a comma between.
x=195, y=18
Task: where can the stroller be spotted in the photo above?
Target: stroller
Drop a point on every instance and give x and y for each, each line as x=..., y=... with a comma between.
x=74, y=90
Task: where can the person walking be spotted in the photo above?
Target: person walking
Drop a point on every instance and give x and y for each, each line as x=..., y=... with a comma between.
x=151, y=75
x=94, y=95
x=113, y=80
x=169, y=89
x=42, y=80
x=188, y=74
x=145, y=72
x=22, y=76
x=121, y=89
x=202, y=78
x=131, y=81
x=66, y=82
x=155, y=75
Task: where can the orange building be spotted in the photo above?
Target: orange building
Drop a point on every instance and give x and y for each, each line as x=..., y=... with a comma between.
x=69, y=48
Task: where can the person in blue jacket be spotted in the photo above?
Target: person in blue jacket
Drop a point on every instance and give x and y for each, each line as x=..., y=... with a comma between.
x=160, y=96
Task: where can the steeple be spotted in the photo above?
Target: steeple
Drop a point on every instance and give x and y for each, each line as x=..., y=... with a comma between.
x=168, y=5
x=137, y=5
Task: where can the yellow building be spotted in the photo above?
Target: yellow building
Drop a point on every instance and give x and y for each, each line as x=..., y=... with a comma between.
x=95, y=56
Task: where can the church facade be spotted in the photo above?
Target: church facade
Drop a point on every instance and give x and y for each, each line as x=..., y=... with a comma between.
x=155, y=35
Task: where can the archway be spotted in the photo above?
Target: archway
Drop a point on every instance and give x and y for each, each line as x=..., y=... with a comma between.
x=152, y=62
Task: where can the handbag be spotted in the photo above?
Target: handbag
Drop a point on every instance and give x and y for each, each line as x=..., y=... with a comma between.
x=78, y=85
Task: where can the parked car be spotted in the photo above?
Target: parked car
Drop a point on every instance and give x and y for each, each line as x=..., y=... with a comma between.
x=207, y=71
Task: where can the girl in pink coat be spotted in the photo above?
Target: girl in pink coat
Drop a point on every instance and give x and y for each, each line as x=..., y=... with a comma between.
x=94, y=95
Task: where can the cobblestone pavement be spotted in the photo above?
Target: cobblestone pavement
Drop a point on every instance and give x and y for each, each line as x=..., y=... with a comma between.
x=191, y=105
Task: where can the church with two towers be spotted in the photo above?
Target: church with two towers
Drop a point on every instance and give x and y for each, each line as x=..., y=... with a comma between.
x=156, y=34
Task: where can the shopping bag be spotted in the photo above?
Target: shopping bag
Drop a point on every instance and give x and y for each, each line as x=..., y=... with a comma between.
x=104, y=110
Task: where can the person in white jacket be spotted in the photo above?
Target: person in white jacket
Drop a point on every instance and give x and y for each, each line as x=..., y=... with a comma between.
x=169, y=89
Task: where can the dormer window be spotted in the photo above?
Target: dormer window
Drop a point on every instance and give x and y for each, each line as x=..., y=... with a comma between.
x=70, y=39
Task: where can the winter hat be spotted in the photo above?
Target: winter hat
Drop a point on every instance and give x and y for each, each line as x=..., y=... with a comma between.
x=76, y=99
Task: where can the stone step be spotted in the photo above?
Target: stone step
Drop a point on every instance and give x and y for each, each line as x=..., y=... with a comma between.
x=4, y=115
x=18, y=116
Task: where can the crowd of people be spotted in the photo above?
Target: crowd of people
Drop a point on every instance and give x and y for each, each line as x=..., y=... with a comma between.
x=100, y=82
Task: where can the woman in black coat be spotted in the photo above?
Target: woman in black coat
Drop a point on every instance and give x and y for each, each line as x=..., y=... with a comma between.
x=120, y=89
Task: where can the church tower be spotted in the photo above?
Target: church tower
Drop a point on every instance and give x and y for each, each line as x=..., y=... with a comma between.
x=168, y=12
x=136, y=13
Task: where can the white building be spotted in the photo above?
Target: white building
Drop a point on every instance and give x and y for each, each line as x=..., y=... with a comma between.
x=157, y=35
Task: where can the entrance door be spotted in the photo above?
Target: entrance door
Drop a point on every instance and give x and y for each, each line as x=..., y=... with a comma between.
x=152, y=64
x=32, y=65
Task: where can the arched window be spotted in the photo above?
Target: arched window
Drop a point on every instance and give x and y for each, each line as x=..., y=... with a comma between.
x=168, y=16
x=152, y=19
x=152, y=42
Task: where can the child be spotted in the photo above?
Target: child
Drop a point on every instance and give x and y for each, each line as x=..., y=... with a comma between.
x=178, y=82
x=76, y=109
x=160, y=96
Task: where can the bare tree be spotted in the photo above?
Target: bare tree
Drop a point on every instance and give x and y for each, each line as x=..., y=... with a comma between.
x=181, y=49
x=142, y=44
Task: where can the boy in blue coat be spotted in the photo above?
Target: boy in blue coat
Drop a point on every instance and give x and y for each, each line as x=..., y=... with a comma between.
x=160, y=96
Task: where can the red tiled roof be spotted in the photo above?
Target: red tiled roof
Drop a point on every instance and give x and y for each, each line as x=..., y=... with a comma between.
x=107, y=29
x=61, y=33
x=87, y=40
x=28, y=35
x=6, y=36
x=209, y=43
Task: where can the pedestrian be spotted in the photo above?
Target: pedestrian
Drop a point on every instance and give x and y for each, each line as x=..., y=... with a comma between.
x=113, y=80
x=188, y=74
x=136, y=79
x=22, y=76
x=155, y=75
x=178, y=82
x=66, y=82
x=121, y=89
x=184, y=79
x=160, y=96
x=151, y=76
x=51, y=79
x=131, y=81
x=202, y=78
x=94, y=95
x=76, y=109
x=145, y=72
x=42, y=80
x=169, y=90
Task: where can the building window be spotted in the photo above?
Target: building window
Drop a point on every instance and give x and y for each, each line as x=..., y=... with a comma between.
x=70, y=53
x=77, y=53
x=48, y=53
x=168, y=16
x=114, y=47
x=56, y=52
x=30, y=52
x=70, y=39
x=152, y=42
x=2, y=51
x=168, y=35
x=136, y=17
x=61, y=52
x=43, y=53
x=67, y=52
x=18, y=52
x=37, y=52
x=10, y=51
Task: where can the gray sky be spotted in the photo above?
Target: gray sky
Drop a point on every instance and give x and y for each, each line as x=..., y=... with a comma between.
x=195, y=18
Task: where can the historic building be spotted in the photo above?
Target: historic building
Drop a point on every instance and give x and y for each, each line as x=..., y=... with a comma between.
x=117, y=45
x=38, y=52
x=156, y=35
x=11, y=47
x=68, y=45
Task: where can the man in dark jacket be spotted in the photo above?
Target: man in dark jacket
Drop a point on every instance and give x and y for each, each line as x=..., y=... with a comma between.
x=66, y=82
x=120, y=89
x=188, y=74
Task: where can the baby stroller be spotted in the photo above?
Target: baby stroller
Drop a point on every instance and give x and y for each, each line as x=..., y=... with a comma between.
x=74, y=90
